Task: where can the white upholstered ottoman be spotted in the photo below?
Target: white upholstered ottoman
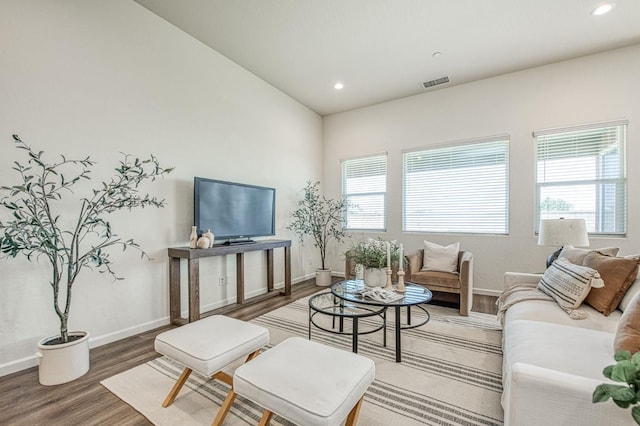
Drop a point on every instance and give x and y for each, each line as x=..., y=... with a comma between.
x=207, y=346
x=306, y=382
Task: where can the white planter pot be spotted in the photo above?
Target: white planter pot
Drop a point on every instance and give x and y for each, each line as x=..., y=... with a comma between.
x=65, y=362
x=375, y=277
x=323, y=277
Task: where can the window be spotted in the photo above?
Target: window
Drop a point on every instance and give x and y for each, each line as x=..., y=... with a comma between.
x=364, y=186
x=459, y=188
x=581, y=174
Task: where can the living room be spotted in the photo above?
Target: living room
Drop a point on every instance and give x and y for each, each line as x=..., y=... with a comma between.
x=100, y=78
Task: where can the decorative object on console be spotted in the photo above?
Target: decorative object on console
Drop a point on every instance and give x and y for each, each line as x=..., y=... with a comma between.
x=627, y=371
x=210, y=236
x=569, y=284
x=203, y=242
x=36, y=205
x=321, y=219
x=193, y=238
x=440, y=258
x=561, y=232
x=617, y=273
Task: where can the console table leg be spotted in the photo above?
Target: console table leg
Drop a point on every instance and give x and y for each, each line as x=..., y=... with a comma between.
x=194, y=289
x=174, y=289
x=287, y=271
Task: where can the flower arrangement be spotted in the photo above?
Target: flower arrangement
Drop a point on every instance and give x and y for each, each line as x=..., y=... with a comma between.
x=373, y=253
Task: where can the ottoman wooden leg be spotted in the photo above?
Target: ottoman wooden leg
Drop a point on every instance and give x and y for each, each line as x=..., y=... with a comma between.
x=176, y=388
x=352, y=418
x=224, y=409
x=231, y=396
x=266, y=418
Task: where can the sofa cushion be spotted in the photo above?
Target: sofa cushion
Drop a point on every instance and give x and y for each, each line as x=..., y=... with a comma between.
x=577, y=255
x=617, y=273
x=567, y=283
x=572, y=350
x=436, y=278
x=549, y=311
x=440, y=258
x=628, y=333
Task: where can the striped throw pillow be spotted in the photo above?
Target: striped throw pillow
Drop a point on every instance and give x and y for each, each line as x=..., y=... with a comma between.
x=569, y=284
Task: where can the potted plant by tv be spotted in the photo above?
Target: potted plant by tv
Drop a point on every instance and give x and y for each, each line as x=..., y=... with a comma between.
x=321, y=219
x=374, y=256
x=40, y=226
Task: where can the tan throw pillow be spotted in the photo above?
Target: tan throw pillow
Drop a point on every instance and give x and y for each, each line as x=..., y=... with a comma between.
x=617, y=273
x=568, y=283
x=577, y=255
x=440, y=258
x=628, y=333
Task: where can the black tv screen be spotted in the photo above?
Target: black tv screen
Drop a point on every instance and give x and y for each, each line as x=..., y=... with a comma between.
x=233, y=210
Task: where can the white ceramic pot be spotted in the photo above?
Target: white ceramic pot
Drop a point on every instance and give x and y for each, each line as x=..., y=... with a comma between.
x=65, y=362
x=375, y=277
x=323, y=277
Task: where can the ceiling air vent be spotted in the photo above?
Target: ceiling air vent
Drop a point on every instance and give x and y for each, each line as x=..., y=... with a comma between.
x=436, y=82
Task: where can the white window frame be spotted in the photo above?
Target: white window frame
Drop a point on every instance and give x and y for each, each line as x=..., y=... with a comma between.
x=450, y=186
x=372, y=167
x=571, y=138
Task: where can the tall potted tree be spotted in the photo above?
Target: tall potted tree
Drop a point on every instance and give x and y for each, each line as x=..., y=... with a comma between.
x=321, y=219
x=40, y=228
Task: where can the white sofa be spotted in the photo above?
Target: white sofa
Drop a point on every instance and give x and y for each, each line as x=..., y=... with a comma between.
x=553, y=363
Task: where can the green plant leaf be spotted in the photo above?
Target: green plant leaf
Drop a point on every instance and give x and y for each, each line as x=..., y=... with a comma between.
x=599, y=394
x=622, y=356
x=635, y=413
x=624, y=371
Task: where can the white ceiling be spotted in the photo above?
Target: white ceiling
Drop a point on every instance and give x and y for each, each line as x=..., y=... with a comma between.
x=383, y=49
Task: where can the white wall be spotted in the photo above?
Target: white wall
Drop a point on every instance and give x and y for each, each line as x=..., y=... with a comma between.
x=91, y=77
x=586, y=90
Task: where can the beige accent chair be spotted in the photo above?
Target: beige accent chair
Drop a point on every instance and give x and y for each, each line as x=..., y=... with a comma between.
x=460, y=282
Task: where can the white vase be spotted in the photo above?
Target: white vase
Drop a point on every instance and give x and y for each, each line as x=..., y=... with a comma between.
x=193, y=238
x=323, y=277
x=375, y=277
x=64, y=362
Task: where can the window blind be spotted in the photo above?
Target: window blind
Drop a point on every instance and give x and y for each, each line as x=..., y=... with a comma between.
x=581, y=174
x=461, y=188
x=364, y=186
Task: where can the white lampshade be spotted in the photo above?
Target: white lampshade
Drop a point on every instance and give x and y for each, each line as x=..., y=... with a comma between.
x=560, y=232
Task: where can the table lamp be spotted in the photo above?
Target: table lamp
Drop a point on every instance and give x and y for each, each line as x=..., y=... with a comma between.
x=561, y=232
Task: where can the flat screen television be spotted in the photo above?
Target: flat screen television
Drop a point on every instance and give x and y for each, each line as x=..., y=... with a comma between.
x=234, y=212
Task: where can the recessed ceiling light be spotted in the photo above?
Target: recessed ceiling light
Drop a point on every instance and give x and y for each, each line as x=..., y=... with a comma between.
x=436, y=54
x=602, y=8
x=338, y=86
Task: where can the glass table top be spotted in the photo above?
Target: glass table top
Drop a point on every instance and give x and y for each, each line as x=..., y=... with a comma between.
x=350, y=290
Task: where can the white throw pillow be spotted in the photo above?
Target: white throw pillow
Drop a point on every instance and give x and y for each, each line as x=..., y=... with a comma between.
x=439, y=258
x=568, y=283
x=577, y=255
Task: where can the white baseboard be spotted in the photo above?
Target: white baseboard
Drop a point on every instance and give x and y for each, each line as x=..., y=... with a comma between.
x=487, y=292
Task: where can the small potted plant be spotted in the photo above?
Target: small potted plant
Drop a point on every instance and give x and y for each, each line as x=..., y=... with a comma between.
x=627, y=371
x=372, y=255
x=321, y=219
x=40, y=226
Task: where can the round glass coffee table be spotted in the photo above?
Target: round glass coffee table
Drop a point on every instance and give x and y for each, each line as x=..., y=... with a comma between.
x=329, y=305
x=415, y=295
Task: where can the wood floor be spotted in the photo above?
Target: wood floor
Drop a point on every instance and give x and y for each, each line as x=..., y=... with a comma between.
x=23, y=401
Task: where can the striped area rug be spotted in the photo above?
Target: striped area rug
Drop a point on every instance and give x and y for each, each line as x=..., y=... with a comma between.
x=450, y=374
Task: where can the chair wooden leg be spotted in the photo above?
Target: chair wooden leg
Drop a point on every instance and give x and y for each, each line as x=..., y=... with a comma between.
x=352, y=418
x=224, y=409
x=176, y=387
x=266, y=418
x=464, y=302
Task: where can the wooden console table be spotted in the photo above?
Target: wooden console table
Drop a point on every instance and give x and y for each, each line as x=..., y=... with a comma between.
x=193, y=258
